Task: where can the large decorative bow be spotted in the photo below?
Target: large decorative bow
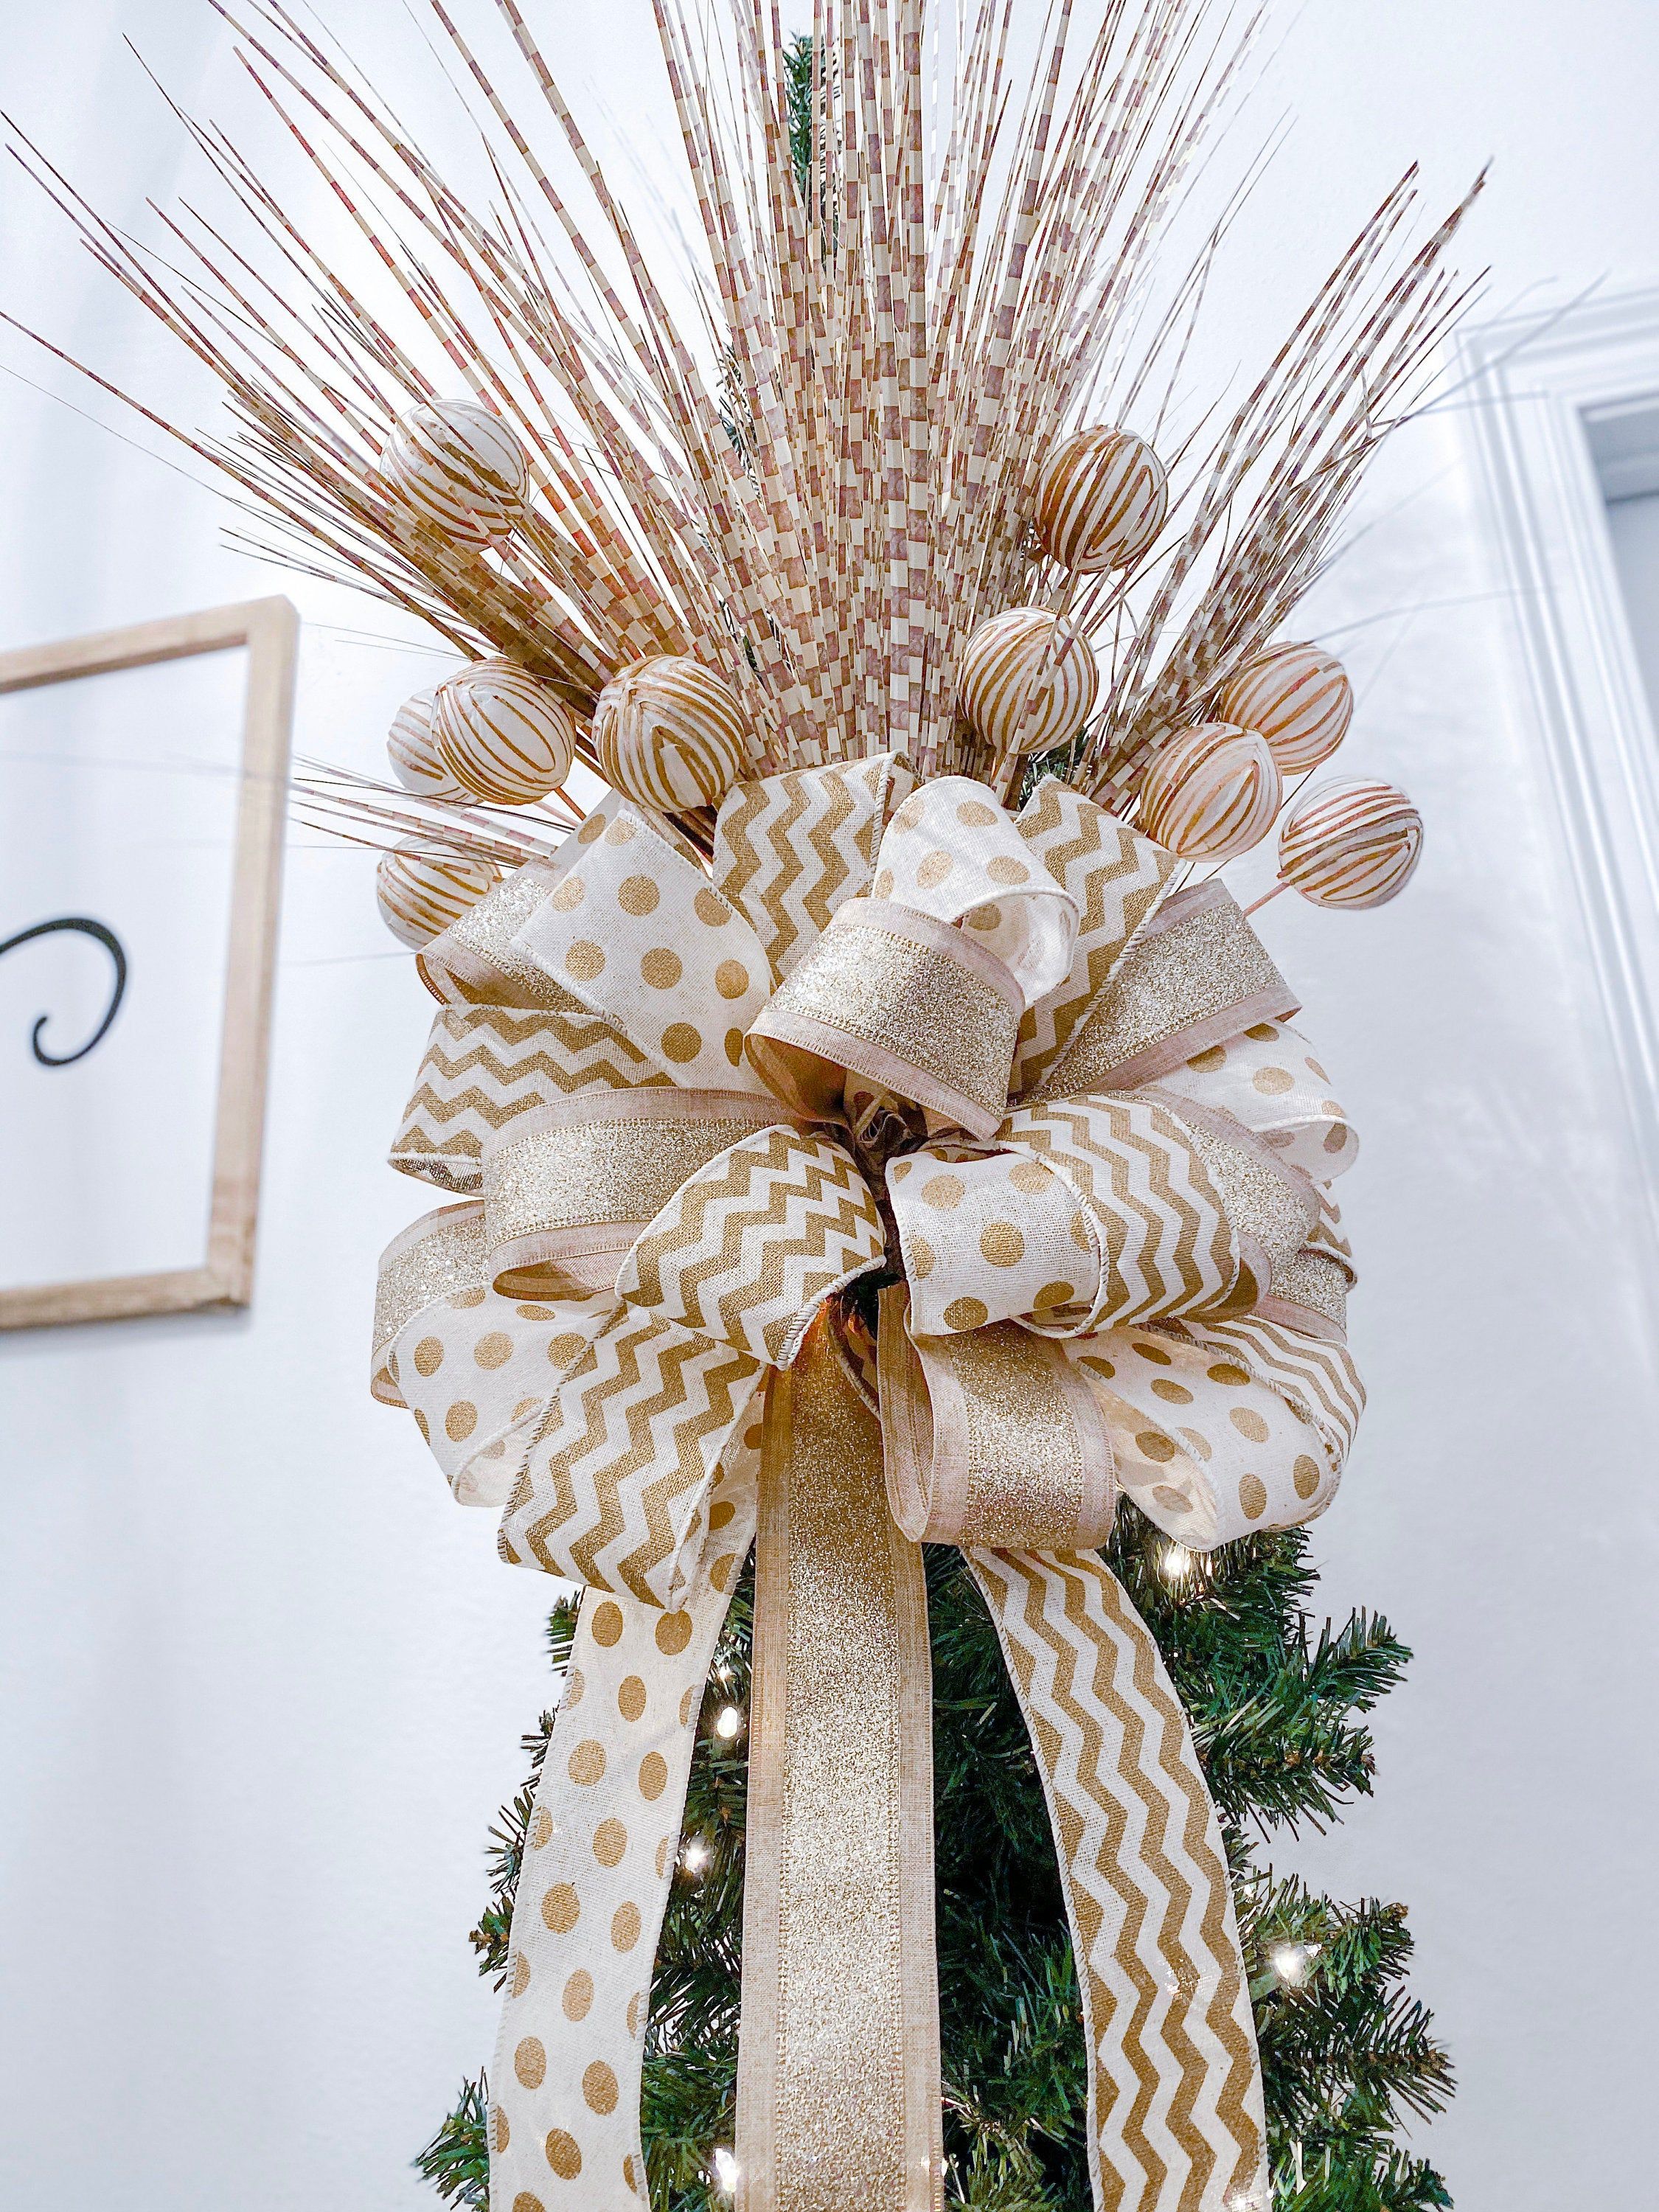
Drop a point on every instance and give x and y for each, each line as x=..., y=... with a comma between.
x=922, y=1174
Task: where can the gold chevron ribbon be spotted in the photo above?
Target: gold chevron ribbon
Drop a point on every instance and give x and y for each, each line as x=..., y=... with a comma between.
x=1175, y=2118
x=1110, y=1261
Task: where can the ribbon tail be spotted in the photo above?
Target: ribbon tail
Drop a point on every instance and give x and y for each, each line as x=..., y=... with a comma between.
x=1176, y=2117
x=838, y=2067
x=599, y=1856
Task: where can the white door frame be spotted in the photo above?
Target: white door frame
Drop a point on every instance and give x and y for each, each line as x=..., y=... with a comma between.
x=1549, y=392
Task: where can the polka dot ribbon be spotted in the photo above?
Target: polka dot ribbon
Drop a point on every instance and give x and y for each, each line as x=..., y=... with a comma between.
x=1138, y=1288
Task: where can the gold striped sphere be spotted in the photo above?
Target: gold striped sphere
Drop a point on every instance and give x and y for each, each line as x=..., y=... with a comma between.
x=671, y=733
x=423, y=886
x=1027, y=682
x=412, y=746
x=457, y=468
x=504, y=736
x=1298, y=697
x=1101, y=501
x=1351, y=844
x=1210, y=793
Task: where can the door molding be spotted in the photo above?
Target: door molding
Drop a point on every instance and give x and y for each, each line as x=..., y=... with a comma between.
x=1554, y=395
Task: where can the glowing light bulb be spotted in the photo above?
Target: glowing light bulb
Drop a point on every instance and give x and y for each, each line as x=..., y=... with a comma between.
x=727, y=1722
x=1176, y=1563
x=1291, y=1962
x=695, y=1855
x=726, y=2170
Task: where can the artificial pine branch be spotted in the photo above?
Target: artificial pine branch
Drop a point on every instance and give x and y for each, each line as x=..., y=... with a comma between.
x=457, y=2159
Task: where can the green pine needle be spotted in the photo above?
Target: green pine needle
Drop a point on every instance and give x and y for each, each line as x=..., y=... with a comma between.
x=457, y=2159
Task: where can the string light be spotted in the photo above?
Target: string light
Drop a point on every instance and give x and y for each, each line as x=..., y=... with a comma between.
x=695, y=1854
x=1175, y=1563
x=727, y=1722
x=725, y=2172
x=1291, y=1962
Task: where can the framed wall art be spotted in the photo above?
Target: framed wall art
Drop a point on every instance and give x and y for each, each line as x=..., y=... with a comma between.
x=142, y=780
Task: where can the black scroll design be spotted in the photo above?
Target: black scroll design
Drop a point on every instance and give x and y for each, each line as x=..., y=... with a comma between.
x=112, y=945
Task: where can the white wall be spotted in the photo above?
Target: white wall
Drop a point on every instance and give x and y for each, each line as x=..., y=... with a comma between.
x=264, y=1683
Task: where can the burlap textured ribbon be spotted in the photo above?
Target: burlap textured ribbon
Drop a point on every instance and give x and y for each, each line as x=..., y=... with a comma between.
x=1078, y=1138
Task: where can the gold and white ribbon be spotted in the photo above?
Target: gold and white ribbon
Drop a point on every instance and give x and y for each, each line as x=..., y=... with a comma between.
x=600, y=1854
x=906, y=1034
x=1176, y=2119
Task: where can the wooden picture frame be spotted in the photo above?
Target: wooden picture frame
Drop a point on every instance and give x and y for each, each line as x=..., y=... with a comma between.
x=269, y=629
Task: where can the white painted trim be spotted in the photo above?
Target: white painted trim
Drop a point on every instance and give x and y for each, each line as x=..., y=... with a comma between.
x=1541, y=387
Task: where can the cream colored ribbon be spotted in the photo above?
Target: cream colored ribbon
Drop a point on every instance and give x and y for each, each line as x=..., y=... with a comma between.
x=1135, y=1275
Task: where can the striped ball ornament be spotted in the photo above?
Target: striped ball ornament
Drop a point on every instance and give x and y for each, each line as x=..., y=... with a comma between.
x=1026, y=682
x=457, y=468
x=504, y=736
x=671, y=733
x=423, y=887
x=1101, y=502
x=1298, y=697
x=1210, y=793
x=412, y=747
x=1351, y=844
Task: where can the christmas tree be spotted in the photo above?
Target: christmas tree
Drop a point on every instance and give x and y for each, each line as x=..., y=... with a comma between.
x=1278, y=1712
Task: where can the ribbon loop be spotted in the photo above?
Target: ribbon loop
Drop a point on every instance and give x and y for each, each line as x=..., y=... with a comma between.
x=1267, y=1078
x=474, y=961
x=902, y=999
x=751, y=1245
x=477, y=1371
x=952, y=851
x=1113, y=877
x=1195, y=975
x=568, y=1186
x=486, y=1065
x=789, y=849
x=1162, y=1236
x=991, y=1438
x=1207, y=1446
x=635, y=931
x=990, y=1237
x=614, y=1491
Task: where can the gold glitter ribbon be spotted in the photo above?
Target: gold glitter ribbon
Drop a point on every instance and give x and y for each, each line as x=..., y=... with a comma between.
x=1195, y=975
x=838, y=2064
x=568, y=1186
x=992, y=1437
x=908, y=1001
x=441, y=1253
